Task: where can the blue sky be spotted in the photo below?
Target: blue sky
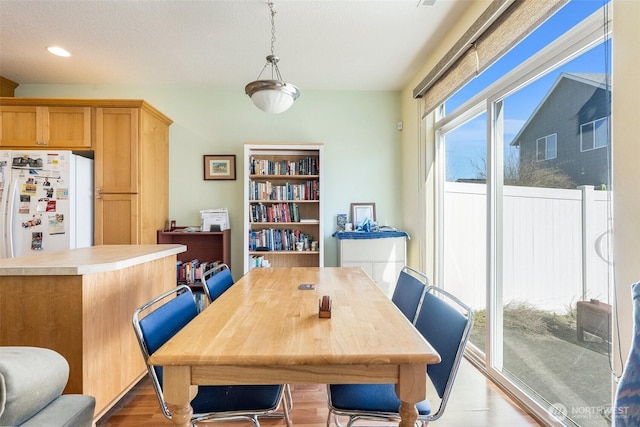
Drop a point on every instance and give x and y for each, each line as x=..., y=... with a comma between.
x=466, y=146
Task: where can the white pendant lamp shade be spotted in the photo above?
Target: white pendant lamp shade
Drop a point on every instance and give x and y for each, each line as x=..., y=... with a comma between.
x=275, y=95
x=272, y=96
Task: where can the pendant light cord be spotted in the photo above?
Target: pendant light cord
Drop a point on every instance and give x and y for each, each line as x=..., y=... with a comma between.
x=273, y=26
x=274, y=65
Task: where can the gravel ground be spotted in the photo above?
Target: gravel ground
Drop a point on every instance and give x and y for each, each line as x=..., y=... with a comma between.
x=562, y=371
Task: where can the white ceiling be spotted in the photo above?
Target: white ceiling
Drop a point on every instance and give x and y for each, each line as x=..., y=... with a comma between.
x=322, y=44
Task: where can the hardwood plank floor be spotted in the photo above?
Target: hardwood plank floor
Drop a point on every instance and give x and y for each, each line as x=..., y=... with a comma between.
x=475, y=401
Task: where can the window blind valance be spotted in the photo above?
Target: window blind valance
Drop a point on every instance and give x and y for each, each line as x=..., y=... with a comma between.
x=501, y=26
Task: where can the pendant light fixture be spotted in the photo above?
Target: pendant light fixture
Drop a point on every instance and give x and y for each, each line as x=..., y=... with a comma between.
x=275, y=95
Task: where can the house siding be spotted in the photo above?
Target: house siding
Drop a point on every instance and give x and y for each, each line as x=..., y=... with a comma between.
x=568, y=106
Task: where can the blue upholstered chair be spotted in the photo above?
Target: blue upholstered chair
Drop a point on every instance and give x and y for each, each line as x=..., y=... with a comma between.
x=216, y=281
x=409, y=291
x=154, y=325
x=445, y=322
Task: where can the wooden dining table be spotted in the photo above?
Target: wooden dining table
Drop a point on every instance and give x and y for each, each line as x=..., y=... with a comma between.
x=266, y=329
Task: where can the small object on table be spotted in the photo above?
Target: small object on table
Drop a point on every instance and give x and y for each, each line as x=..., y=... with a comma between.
x=325, y=307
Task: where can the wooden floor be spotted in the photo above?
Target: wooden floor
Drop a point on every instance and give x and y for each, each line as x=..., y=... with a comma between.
x=475, y=401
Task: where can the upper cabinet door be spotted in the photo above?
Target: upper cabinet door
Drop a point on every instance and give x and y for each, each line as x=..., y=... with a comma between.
x=45, y=127
x=20, y=126
x=67, y=127
x=116, y=150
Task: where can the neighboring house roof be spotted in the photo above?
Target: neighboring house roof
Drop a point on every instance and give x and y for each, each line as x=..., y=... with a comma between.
x=597, y=80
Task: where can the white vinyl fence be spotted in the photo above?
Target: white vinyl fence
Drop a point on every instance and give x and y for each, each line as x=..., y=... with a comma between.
x=551, y=239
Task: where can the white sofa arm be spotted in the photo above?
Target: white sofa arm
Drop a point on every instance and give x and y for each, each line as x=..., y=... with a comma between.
x=31, y=382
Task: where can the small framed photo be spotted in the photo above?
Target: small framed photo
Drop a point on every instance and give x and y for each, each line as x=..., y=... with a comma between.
x=341, y=220
x=219, y=166
x=360, y=211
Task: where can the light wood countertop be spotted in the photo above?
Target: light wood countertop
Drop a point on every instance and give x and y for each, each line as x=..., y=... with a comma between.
x=95, y=259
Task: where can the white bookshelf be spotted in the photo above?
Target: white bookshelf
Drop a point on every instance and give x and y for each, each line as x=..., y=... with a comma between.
x=282, y=205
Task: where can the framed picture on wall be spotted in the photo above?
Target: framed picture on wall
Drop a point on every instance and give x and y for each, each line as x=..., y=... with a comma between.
x=360, y=211
x=219, y=166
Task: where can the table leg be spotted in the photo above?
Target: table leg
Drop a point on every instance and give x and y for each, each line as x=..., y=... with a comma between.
x=408, y=414
x=411, y=389
x=178, y=393
x=181, y=416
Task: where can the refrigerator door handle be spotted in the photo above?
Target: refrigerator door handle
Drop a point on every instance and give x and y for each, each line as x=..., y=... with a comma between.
x=11, y=196
x=3, y=216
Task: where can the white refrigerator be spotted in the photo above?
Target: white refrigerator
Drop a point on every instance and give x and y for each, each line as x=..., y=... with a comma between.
x=46, y=202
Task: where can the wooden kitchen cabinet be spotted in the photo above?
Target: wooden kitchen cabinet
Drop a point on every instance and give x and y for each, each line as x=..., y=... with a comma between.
x=129, y=141
x=117, y=140
x=117, y=217
x=45, y=127
x=131, y=173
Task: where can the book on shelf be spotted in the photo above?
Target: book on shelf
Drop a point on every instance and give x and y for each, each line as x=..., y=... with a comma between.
x=273, y=239
x=189, y=229
x=258, y=261
x=259, y=190
x=200, y=301
x=276, y=212
x=178, y=269
x=308, y=165
x=191, y=272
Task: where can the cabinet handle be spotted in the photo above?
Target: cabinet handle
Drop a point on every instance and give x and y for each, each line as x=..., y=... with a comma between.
x=41, y=142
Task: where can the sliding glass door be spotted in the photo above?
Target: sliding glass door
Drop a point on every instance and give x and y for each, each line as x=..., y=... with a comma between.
x=463, y=217
x=554, y=199
x=525, y=208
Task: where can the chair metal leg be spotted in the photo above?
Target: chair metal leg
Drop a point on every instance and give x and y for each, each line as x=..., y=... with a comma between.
x=287, y=405
x=211, y=421
x=289, y=398
x=336, y=420
x=333, y=416
x=352, y=420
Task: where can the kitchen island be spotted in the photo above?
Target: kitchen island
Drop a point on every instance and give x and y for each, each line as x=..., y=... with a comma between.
x=79, y=302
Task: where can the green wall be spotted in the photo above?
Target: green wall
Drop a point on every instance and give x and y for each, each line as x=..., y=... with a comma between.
x=362, y=158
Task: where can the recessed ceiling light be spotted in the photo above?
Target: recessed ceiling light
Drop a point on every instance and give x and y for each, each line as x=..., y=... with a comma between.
x=57, y=50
